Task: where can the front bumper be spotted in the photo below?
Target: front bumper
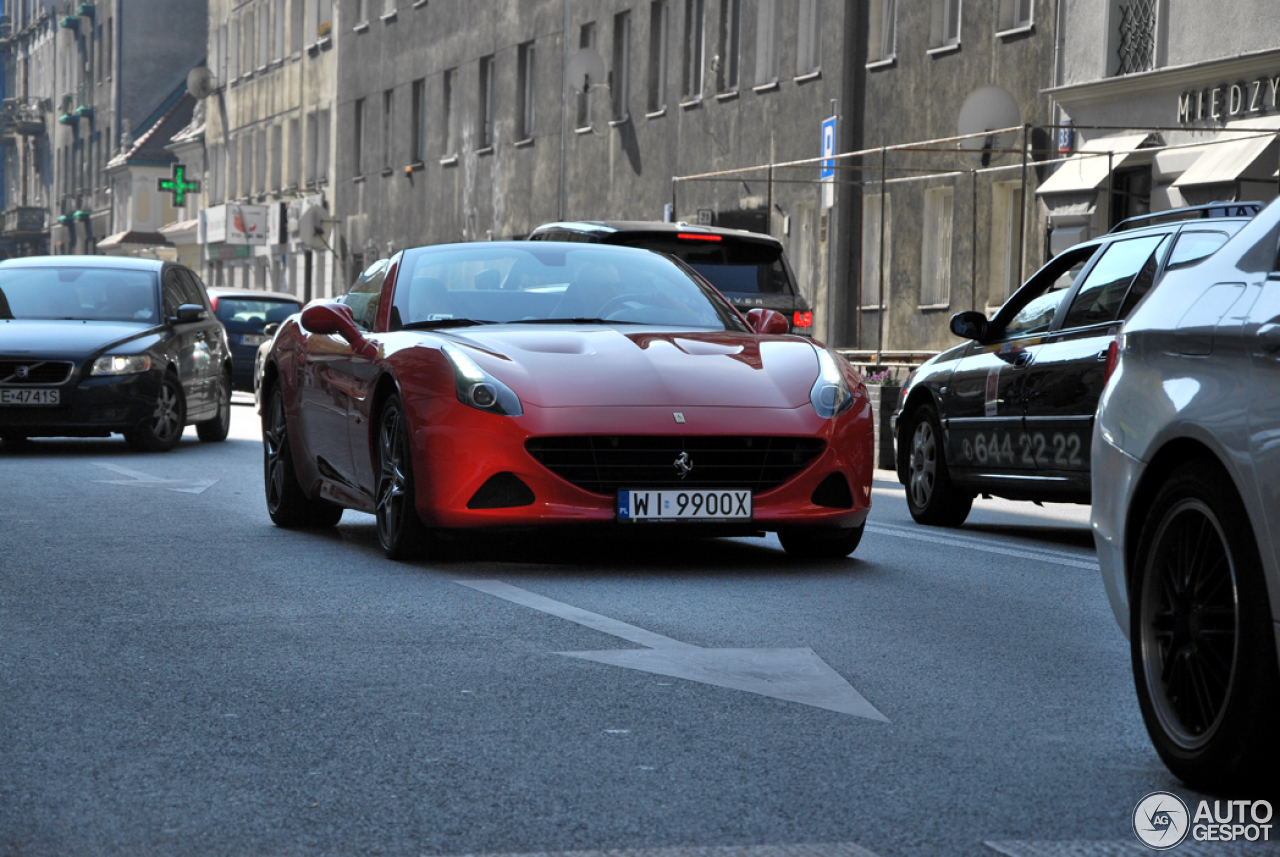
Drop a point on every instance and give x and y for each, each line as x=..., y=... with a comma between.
x=458, y=449
x=89, y=407
x=1115, y=477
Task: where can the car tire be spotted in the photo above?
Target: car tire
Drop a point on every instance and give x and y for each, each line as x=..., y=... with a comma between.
x=931, y=497
x=286, y=504
x=401, y=532
x=821, y=542
x=162, y=431
x=215, y=430
x=1202, y=641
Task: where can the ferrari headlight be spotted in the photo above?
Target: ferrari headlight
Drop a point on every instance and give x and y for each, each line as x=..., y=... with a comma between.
x=478, y=389
x=830, y=394
x=121, y=364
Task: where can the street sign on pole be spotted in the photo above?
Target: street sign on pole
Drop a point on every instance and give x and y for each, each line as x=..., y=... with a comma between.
x=828, y=173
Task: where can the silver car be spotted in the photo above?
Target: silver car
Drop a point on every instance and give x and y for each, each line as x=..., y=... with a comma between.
x=1186, y=509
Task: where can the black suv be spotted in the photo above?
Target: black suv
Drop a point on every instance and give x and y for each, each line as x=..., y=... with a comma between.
x=1010, y=413
x=748, y=268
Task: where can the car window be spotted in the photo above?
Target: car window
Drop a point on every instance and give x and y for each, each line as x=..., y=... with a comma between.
x=1192, y=246
x=364, y=295
x=733, y=267
x=173, y=293
x=192, y=289
x=253, y=314
x=1032, y=307
x=82, y=294
x=1132, y=262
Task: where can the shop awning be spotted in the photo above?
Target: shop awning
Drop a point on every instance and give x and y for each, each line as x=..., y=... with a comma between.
x=1237, y=148
x=146, y=239
x=1084, y=171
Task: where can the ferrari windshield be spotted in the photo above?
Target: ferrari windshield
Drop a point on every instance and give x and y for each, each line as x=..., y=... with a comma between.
x=79, y=294
x=548, y=283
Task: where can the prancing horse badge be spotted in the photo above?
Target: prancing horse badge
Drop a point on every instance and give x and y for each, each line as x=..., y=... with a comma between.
x=679, y=417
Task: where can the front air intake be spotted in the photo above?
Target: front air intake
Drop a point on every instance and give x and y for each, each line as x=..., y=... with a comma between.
x=502, y=491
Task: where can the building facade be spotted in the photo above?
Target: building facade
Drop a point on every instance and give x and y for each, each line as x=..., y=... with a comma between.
x=28, y=48
x=1182, y=100
x=269, y=127
x=953, y=230
x=459, y=121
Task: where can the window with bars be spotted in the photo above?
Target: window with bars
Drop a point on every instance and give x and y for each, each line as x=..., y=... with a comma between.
x=935, y=254
x=877, y=250
x=1135, y=36
x=658, y=24
x=882, y=31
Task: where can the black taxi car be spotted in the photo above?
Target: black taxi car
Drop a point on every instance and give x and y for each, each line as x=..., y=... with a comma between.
x=748, y=268
x=91, y=345
x=1010, y=412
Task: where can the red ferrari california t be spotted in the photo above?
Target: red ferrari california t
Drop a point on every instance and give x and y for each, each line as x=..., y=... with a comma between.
x=475, y=387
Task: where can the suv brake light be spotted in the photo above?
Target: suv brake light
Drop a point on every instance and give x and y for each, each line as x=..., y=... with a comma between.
x=694, y=236
x=802, y=319
x=1112, y=359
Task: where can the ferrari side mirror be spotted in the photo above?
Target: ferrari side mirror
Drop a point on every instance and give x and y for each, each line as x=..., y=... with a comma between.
x=767, y=321
x=332, y=320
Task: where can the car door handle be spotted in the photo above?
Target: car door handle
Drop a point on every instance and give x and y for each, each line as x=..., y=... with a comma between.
x=1023, y=358
x=1102, y=355
x=1269, y=337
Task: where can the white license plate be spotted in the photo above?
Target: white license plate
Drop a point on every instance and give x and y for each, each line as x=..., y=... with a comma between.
x=704, y=504
x=29, y=397
x=253, y=338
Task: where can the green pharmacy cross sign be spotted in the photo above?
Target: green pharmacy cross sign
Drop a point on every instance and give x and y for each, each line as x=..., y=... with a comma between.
x=179, y=186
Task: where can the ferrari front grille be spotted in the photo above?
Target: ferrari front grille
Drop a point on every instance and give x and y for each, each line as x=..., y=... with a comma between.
x=607, y=463
x=34, y=371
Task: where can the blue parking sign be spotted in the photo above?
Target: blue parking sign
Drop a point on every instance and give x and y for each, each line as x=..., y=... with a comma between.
x=828, y=148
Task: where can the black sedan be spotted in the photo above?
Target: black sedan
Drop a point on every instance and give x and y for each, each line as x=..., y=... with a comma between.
x=91, y=345
x=1010, y=413
x=245, y=314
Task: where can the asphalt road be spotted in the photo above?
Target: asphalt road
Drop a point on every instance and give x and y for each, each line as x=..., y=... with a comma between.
x=178, y=676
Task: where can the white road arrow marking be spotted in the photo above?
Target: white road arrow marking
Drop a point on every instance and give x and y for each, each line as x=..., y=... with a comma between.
x=138, y=479
x=794, y=675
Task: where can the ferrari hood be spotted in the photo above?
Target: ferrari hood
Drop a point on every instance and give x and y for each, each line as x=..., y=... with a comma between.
x=604, y=366
x=65, y=338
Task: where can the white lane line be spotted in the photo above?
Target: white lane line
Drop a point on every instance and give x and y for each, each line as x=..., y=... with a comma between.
x=820, y=849
x=138, y=479
x=988, y=546
x=793, y=675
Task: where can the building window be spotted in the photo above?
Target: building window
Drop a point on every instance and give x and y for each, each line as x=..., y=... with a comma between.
x=260, y=177
x=1006, y=274
x=1014, y=15
x=313, y=147
x=730, y=45
x=1134, y=36
x=586, y=41
x=232, y=169
x=246, y=165
x=110, y=45
x=766, y=42
x=944, y=28
x=877, y=251
x=449, y=142
x=524, y=90
x=295, y=153
x=882, y=31
x=388, y=110
x=620, y=84
x=935, y=256
x=658, y=17
x=484, y=120
x=808, y=38
x=388, y=8
x=418, y=123
x=277, y=157
x=278, y=49
x=362, y=12
x=694, y=22
x=357, y=145
x=298, y=24
x=264, y=35
x=322, y=147
x=233, y=52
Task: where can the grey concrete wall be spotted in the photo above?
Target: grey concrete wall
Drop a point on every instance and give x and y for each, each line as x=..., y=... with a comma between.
x=918, y=97
x=619, y=171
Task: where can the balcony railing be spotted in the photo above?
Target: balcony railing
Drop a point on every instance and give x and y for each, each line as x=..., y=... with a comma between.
x=23, y=222
x=25, y=117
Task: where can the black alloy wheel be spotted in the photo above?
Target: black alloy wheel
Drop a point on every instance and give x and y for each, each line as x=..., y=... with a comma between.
x=162, y=431
x=215, y=430
x=1202, y=641
x=931, y=497
x=286, y=504
x=400, y=530
x=821, y=542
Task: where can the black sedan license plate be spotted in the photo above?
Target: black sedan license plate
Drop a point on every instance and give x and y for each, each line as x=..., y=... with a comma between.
x=29, y=397
x=703, y=504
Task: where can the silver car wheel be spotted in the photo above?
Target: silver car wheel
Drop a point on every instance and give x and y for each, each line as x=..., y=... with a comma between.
x=1190, y=624
x=167, y=417
x=923, y=463
x=392, y=459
